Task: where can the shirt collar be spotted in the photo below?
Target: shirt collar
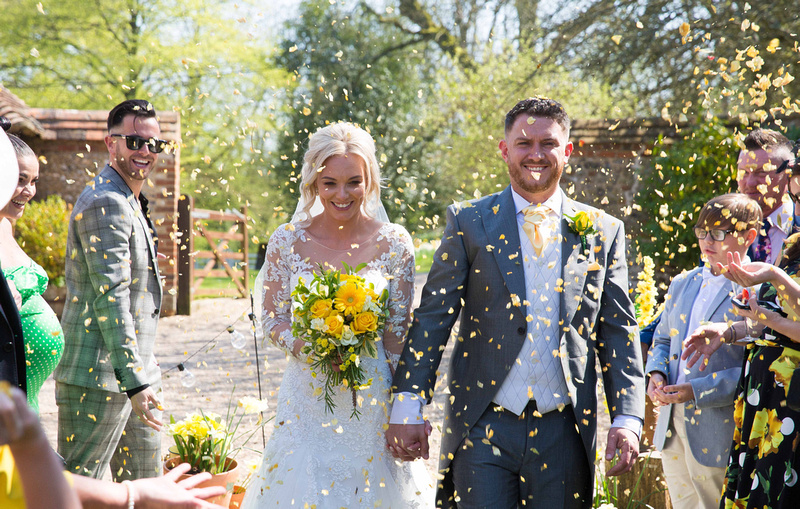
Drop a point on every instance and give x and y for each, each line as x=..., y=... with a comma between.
x=554, y=202
x=783, y=216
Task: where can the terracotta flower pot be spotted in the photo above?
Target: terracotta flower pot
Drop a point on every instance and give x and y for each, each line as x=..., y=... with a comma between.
x=237, y=497
x=225, y=479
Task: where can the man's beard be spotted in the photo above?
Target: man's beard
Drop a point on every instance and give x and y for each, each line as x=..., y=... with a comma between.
x=127, y=168
x=537, y=186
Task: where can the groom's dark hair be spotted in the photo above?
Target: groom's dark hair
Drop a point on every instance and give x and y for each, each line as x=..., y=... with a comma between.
x=539, y=107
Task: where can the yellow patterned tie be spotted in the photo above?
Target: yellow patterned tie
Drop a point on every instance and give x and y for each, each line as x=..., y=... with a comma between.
x=534, y=217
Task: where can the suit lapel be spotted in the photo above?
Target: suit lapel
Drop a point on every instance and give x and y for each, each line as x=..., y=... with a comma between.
x=112, y=176
x=139, y=214
x=574, y=262
x=500, y=222
x=719, y=298
x=688, y=296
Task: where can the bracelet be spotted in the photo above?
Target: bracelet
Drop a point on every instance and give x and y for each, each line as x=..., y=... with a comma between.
x=733, y=336
x=131, y=493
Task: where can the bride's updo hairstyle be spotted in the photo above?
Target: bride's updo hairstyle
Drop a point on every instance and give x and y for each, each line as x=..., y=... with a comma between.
x=338, y=140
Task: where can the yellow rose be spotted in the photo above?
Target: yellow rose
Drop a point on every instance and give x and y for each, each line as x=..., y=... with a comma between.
x=335, y=324
x=321, y=308
x=582, y=221
x=364, y=322
x=581, y=224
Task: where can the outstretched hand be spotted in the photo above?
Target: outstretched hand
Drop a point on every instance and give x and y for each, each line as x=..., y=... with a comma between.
x=703, y=343
x=748, y=274
x=169, y=492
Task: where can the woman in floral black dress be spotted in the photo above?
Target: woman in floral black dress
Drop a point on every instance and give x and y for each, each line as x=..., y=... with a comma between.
x=763, y=465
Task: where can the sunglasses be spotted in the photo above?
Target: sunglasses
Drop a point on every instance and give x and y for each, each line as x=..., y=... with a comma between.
x=134, y=142
x=717, y=235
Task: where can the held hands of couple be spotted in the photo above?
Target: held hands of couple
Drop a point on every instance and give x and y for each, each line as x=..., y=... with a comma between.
x=142, y=402
x=408, y=442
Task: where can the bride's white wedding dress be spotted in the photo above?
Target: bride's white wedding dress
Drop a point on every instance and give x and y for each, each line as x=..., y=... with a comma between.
x=319, y=459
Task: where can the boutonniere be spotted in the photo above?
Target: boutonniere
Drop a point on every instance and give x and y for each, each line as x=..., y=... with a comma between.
x=581, y=224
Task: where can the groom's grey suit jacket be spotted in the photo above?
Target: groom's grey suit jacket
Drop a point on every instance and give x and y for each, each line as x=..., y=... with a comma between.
x=478, y=272
x=709, y=418
x=113, y=291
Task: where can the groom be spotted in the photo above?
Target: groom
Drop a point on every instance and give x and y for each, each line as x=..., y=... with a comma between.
x=541, y=283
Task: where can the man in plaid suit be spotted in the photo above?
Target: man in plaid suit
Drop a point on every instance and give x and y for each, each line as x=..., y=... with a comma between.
x=108, y=382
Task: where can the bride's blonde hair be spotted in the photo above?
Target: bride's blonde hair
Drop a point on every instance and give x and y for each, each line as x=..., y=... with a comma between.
x=338, y=140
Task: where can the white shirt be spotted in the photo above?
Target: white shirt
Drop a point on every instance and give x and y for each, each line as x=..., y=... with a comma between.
x=709, y=289
x=782, y=220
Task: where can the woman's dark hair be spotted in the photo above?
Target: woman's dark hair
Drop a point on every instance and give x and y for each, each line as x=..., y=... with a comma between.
x=20, y=147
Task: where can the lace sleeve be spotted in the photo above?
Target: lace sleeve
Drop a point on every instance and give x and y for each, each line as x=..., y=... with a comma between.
x=274, y=283
x=401, y=293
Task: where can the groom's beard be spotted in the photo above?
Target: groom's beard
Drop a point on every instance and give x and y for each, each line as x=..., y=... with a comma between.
x=526, y=179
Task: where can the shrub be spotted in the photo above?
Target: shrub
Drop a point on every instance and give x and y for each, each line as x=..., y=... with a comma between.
x=42, y=234
x=687, y=174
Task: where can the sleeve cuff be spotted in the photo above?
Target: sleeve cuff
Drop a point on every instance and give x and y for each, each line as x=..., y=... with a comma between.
x=133, y=392
x=628, y=422
x=406, y=409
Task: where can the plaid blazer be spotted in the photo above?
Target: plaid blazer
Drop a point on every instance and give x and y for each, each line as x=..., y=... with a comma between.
x=113, y=291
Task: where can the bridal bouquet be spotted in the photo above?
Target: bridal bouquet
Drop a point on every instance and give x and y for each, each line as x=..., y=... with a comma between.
x=341, y=317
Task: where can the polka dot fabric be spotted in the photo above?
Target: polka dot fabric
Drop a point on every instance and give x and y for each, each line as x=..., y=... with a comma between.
x=44, y=340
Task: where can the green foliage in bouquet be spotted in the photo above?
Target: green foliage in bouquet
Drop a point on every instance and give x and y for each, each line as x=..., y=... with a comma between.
x=341, y=318
x=42, y=234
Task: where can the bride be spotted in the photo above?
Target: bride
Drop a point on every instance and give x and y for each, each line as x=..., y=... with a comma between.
x=314, y=458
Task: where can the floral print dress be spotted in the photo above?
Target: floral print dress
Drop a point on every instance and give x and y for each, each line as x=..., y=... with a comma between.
x=763, y=465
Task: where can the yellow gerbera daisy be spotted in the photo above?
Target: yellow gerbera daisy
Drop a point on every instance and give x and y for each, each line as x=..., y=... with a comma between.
x=349, y=298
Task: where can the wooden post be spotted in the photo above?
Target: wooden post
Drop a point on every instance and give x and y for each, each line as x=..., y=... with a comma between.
x=649, y=428
x=185, y=249
x=644, y=485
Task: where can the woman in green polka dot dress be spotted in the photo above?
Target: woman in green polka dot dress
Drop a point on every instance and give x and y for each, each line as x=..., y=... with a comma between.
x=44, y=340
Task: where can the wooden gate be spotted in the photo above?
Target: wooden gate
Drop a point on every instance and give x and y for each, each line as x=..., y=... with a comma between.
x=224, y=234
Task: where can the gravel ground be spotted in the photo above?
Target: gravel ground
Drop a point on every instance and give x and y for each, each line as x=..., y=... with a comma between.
x=218, y=367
